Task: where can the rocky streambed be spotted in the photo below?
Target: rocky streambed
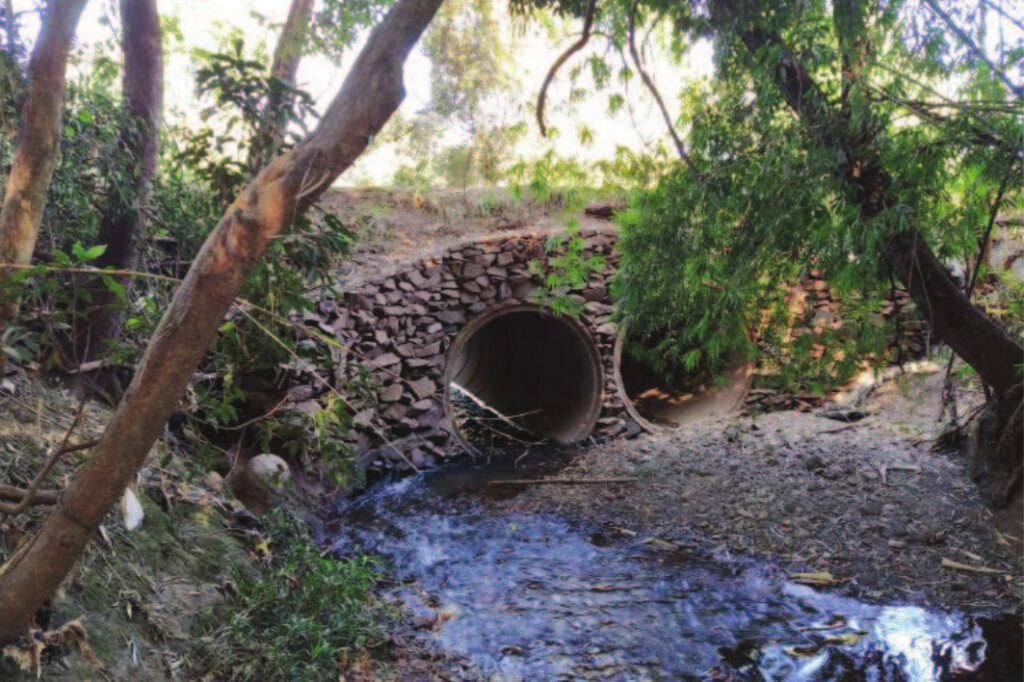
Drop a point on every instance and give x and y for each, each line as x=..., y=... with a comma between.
x=532, y=595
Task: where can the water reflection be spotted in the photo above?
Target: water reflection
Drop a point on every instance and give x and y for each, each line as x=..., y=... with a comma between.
x=542, y=598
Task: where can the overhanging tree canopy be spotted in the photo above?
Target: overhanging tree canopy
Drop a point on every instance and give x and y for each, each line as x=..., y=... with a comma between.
x=827, y=139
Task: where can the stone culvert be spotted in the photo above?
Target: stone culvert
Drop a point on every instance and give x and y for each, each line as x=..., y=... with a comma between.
x=468, y=315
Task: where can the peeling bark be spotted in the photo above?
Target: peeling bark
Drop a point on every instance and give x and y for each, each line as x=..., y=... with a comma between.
x=264, y=209
x=124, y=217
x=34, y=157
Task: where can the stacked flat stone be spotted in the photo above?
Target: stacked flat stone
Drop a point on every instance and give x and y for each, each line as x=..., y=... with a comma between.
x=401, y=325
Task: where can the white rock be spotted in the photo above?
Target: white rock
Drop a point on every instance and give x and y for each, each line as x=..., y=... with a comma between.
x=131, y=510
x=271, y=471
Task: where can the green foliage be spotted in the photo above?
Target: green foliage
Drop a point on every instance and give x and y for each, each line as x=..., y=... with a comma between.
x=301, y=619
x=265, y=340
x=235, y=86
x=200, y=171
x=710, y=254
x=570, y=184
x=462, y=137
x=336, y=25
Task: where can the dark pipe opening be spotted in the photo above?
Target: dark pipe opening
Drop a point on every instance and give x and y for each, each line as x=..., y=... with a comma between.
x=654, y=401
x=539, y=371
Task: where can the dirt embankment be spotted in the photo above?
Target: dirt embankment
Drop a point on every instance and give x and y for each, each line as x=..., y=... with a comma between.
x=395, y=227
x=137, y=593
x=869, y=502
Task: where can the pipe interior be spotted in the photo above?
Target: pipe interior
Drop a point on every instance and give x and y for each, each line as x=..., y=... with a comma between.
x=689, y=399
x=540, y=371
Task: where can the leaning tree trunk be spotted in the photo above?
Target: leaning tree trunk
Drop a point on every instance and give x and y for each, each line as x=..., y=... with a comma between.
x=265, y=208
x=981, y=341
x=124, y=216
x=287, y=56
x=36, y=152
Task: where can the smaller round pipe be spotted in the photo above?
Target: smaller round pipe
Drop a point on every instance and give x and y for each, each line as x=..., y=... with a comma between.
x=541, y=371
x=669, y=407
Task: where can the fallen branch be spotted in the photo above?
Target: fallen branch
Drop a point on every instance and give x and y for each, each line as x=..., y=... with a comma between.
x=912, y=468
x=39, y=497
x=957, y=566
x=562, y=481
x=817, y=579
x=29, y=493
x=842, y=428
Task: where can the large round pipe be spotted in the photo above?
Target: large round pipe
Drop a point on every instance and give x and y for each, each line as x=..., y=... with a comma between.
x=541, y=371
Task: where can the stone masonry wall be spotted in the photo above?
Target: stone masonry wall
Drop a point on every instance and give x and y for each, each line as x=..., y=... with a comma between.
x=401, y=325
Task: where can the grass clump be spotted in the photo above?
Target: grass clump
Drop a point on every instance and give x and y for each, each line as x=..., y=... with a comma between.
x=304, y=617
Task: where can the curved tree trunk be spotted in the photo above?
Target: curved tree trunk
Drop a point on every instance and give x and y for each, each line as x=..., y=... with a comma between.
x=287, y=56
x=981, y=341
x=34, y=157
x=264, y=209
x=124, y=217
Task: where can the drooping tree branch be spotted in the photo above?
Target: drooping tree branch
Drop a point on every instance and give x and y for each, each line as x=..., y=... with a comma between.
x=652, y=88
x=34, y=157
x=1017, y=90
x=263, y=210
x=588, y=22
x=981, y=341
x=1004, y=14
x=287, y=56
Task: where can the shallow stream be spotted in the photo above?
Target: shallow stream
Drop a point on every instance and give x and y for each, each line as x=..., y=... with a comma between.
x=540, y=597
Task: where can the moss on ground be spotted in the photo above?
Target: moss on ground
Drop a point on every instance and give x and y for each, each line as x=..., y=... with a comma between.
x=173, y=598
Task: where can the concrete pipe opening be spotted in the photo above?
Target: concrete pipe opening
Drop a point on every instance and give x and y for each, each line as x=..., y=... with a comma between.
x=656, y=403
x=539, y=371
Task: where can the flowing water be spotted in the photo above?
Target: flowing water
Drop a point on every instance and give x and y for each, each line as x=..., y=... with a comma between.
x=537, y=597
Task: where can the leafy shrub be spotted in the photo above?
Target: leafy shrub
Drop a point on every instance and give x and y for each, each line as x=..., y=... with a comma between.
x=300, y=620
x=267, y=335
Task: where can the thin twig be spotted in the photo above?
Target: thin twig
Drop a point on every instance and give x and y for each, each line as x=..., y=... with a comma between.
x=84, y=445
x=842, y=428
x=988, y=232
x=1017, y=90
x=246, y=423
x=947, y=383
x=50, y=463
x=562, y=481
x=1006, y=15
x=957, y=566
x=588, y=21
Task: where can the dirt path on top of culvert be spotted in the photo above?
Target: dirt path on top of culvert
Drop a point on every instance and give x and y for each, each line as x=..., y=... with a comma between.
x=396, y=227
x=869, y=503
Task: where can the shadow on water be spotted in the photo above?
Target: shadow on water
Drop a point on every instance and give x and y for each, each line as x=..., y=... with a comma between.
x=538, y=597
